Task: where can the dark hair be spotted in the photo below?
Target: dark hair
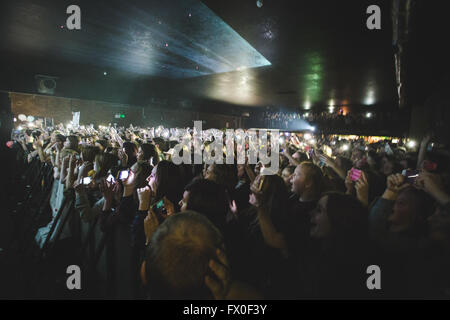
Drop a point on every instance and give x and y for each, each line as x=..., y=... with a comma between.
x=89, y=153
x=143, y=170
x=168, y=182
x=130, y=149
x=226, y=175
x=178, y=256
x=424, y=207
x=103, y=143
x=149, y=151
x=105, y=161
x=60, y=137
x=348, y=217
x=315, y=174
x=274, y=194
x=74, y=143
x=209, y=199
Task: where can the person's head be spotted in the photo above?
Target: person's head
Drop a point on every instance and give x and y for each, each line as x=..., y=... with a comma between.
x=88, y=153
x=357, y=155
x=307, y=180
x=103, y=163
x=131, y=150
x=72, y=143
x=339, y=217
x=410, y=212
x=223, y=174
x=439, y=226
x=207, y=198
x=146, y=152
x=286, y=174
x=141, y=171
x=270, y=191
x=177, y=258
x=300, y=156
x=165, y=180
x=60, y=139
x=101, y=144
x=389, y=166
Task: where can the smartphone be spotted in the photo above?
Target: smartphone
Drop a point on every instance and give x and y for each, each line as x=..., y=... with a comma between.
x=111, y=179
x=87, y=180
x=410, y=175
x=123, y=174
x=355, y=174
x=327, y=150
x=160, y=211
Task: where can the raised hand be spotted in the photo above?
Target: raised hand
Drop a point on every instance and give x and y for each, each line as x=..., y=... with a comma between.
x=432, y=184
x=362, y=189
x=349, y=182
x=144, y=195
x=150, y=225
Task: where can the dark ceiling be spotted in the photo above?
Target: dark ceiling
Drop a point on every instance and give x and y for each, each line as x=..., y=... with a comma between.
x=293, y=54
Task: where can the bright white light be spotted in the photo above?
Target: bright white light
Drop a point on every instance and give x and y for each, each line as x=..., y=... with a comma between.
x=331, y=104
x=345, y=147
x=368, y=115
x=30, y=118
x=331, y=109
x=105, y=73
x=22, y=117
x=307, y=136
x=312, y=141
x=19, y=128
x=281, y=140
x=307, y=105
x=15, y=119
x=313, y=128
x=394, y=140
x=411, y=144
x=307, y=114
x=69, y=126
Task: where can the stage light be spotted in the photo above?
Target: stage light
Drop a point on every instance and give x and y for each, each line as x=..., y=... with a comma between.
x=368, y=115
x=15, y=119
x=411, y=144
x=22, y=117
x=345, y=147
x=307, y=105
x=313, y=128
x=30, y=118
x=105, y=73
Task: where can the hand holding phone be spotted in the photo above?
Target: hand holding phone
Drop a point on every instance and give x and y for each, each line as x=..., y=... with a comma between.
x=124, y=174
x=410, y=176
x=87, y=180
x=355, y=174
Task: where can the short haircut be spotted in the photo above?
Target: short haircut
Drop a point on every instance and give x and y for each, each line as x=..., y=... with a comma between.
x=210, y=199
x=314, y=173
x=178, y=256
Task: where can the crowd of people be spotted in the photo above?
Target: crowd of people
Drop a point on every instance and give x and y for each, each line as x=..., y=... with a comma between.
x=334, y=120
x=221, y=231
